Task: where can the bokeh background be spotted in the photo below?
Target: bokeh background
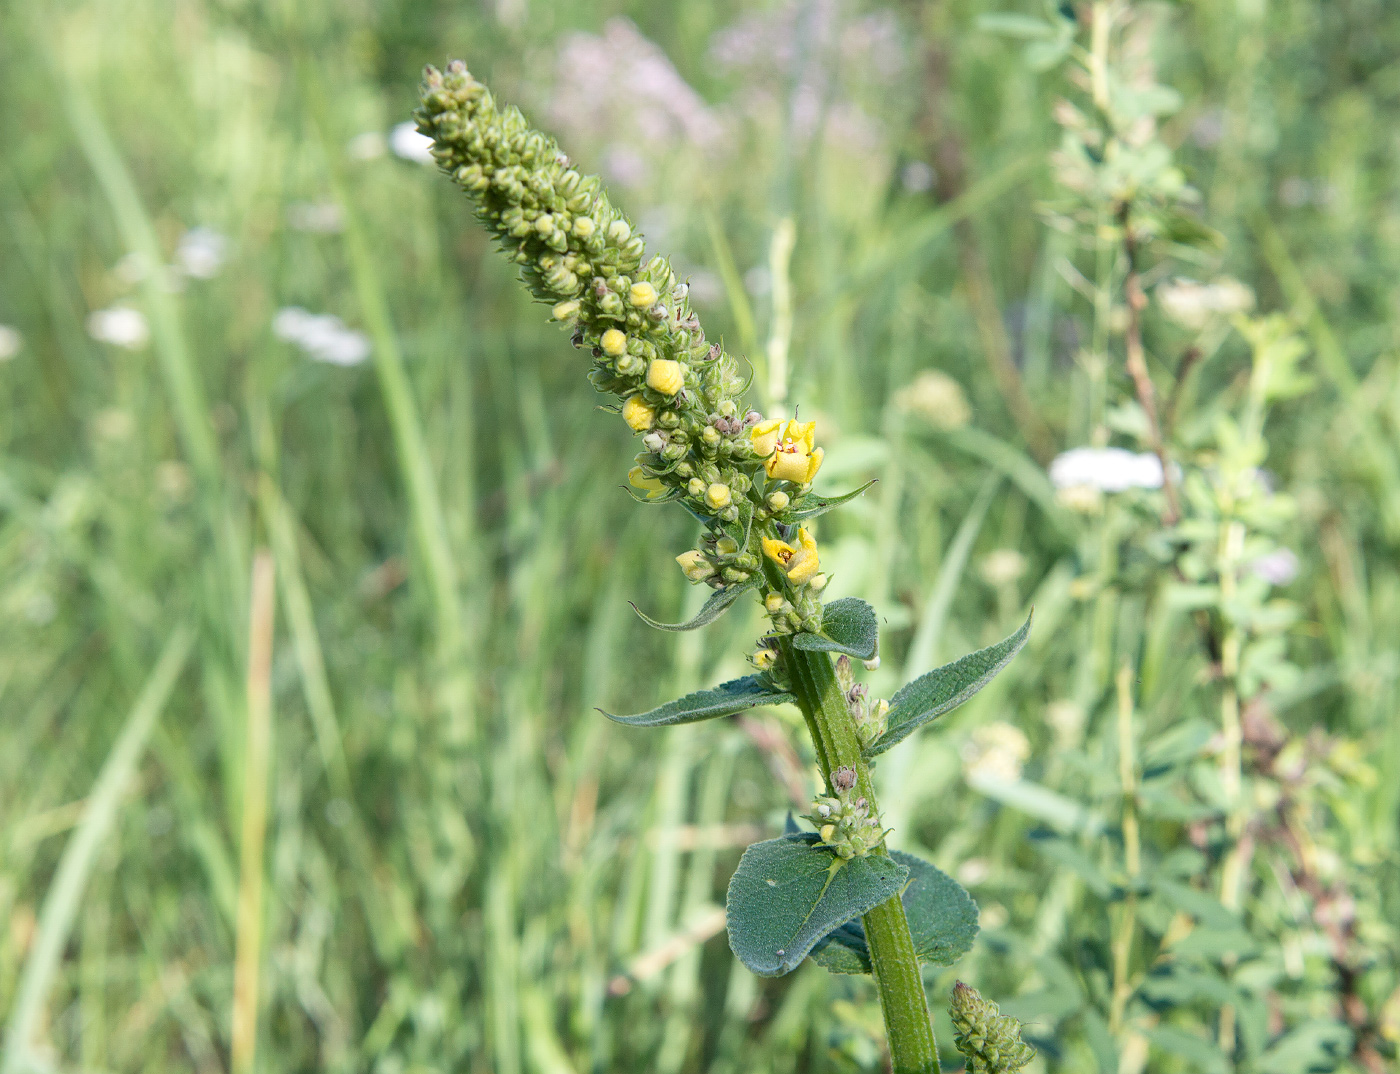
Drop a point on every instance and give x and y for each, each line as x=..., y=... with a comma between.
x=246, y=322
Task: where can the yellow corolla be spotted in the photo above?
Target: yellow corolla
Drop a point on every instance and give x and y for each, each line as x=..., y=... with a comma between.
x=794, y=457
x=640, y=479
x=800, y=563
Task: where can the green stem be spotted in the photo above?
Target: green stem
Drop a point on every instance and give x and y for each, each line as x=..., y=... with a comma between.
x=897, y=976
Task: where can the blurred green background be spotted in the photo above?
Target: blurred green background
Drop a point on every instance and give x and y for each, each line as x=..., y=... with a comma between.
x=241, y=312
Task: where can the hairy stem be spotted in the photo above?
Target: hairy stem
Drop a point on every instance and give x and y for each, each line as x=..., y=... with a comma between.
x=896, y=966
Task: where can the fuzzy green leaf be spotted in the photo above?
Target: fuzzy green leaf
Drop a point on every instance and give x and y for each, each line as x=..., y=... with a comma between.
x=942, y=920
x=716, y=606
x=811, y=506
x=930, y=696
x=788, y=893
x=738, y=695
x=848, y=626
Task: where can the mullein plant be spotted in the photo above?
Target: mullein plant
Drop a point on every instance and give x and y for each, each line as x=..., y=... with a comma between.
x=837, y=893
x=1238, y=942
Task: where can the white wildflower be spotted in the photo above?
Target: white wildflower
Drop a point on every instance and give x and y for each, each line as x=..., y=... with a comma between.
x=10, y=342
x=1278, y=567
x=370, y=145
x=1193, y=304
x=322, y=336
x=1106, y=470
x=120, y=326
x=936, y=398
x=321, y=218
x=1003, y=567
x=996, y=751
x=201, y=253
x=408, y=143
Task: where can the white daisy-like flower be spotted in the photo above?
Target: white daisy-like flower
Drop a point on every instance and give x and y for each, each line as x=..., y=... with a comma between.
x=10, y=342
x=201, y=253
x=120, y=326
x=322, y=336
x=1192, y=304
x=1106, y=470
x=407, y=143
x=1278, y=567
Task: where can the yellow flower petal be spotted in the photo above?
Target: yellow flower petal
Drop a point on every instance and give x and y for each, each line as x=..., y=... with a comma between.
x=640, y=479
x=788, y=466
x=764, y=437
x=814, y=463
x=803, y=564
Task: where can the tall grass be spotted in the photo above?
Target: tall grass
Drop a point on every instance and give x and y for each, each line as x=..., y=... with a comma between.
x=453, y=876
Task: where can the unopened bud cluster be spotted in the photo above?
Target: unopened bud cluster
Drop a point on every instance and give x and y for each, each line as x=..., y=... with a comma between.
x=989, y=1040
x=870, y=715
x=582, y=255
x=845, y=822
x=719, y=561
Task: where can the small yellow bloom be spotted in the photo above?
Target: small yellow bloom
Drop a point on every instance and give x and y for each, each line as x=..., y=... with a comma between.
x=565, y=311
x=638, y=413
x=764, y=437
x=763, y=659
x=642, y=294
x=794, y=457
x=800, y=563
x=696, y=567
x=663, y=374
x=613, y=343
x=717, y=496
x=640, y=479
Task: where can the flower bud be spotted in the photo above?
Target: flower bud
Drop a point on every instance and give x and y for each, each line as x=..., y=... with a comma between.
x=710, y=435
x=696, y=567
x=727, y=546
x=773, y=603
x=642, y=295
x=629, y=365
x=663, y=375
x=584, y=227
x=763, y=659
x=619, y=232
x=638, y=413
x=566, y=311
x=614, y=343
x=777, y=502
x=653, y=441
x=717, y=496
x=695, y=487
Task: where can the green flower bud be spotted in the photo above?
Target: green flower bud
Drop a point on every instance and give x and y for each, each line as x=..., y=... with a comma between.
x=990, y=1041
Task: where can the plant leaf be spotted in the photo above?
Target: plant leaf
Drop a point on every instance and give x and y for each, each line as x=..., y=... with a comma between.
x=716, y=606
x=811, y=506
x=724, y=700
x=788, y=893
x=942, y=920
x=848, y=626
x=930, y=696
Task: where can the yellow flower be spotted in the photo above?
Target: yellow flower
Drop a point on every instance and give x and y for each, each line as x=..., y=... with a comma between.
x=638, y=413
x=794, y=457
x=565, y=311
x=640, y=479
x=642, y=294
x=614, y=343
x=800, y=563
x=764, y=437
x=664, y=375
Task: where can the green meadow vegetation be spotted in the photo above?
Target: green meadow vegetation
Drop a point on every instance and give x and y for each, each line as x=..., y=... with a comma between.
x=316, y=543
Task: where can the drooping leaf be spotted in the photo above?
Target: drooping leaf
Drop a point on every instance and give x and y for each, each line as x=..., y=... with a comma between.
x=716, y=606
x=930, y=696
x=811, y=506
x=942, y=920
x=848, y=626
x=726, y=699
x=788, y=893
x=641, y=497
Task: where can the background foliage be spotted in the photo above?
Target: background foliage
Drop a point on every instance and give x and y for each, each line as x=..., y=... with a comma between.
x=467, y=868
